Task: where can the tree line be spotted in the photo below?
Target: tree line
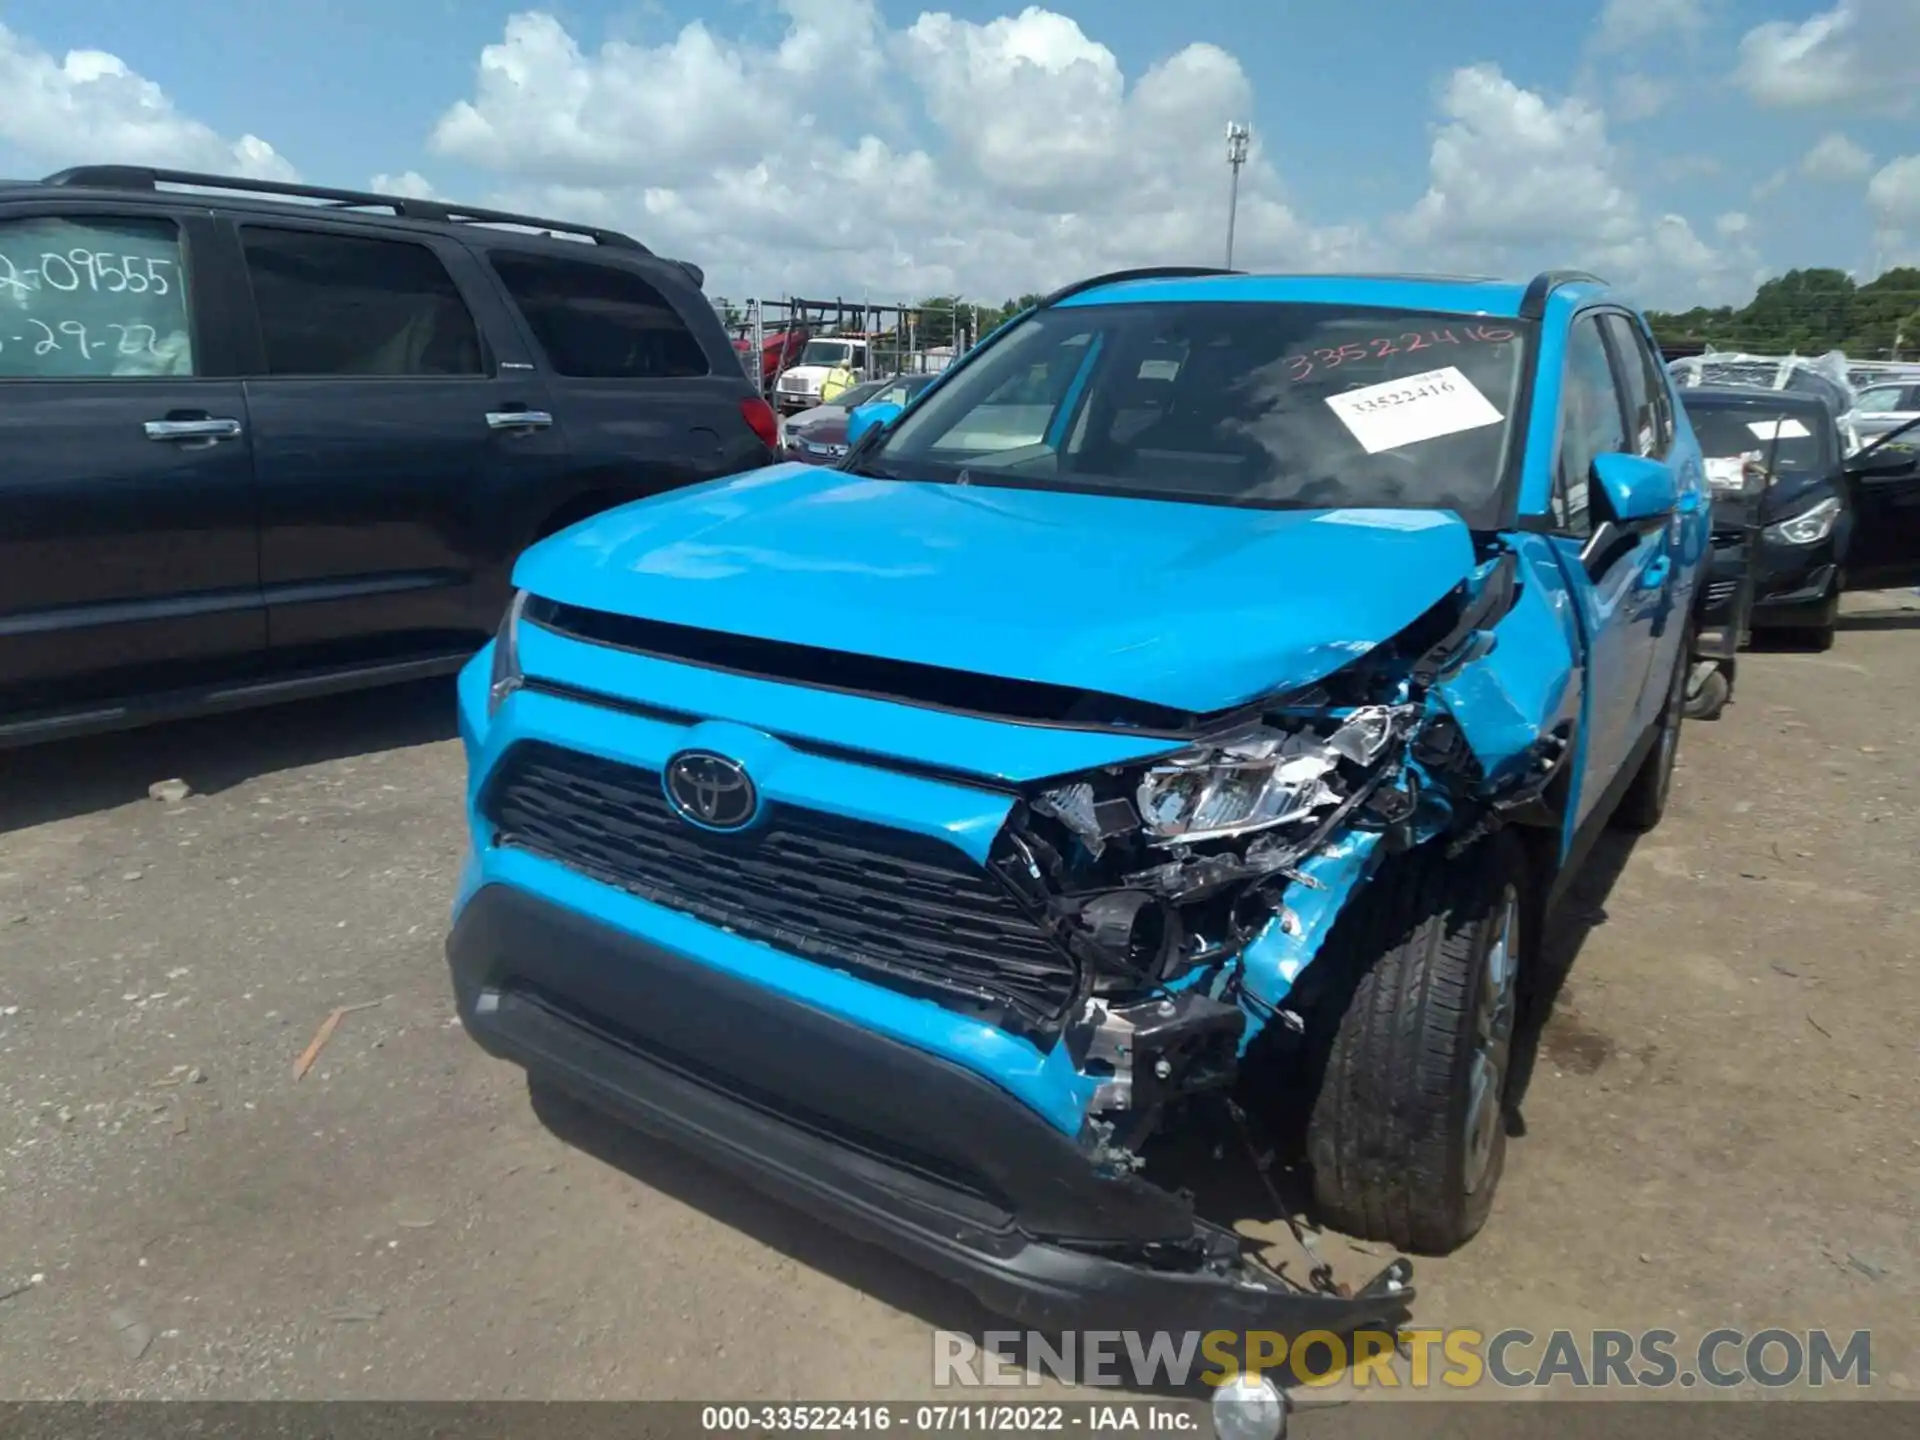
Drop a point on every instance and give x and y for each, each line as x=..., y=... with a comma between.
x=1809, y=312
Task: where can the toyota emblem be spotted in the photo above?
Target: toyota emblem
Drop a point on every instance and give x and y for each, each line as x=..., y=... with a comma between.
x=710, y=790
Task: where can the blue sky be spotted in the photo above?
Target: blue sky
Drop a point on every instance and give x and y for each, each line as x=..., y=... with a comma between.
x=1685, y=146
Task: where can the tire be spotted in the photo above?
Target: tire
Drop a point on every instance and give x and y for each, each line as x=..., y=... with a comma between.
x=1645, y=802
x=1406, y=1138
x=1710, y=699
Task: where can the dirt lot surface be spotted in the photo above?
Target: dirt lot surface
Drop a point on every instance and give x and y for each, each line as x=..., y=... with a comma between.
x=1721, y=1126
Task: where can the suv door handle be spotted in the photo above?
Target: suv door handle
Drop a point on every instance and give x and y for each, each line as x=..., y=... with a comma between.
x=208, y=430
x=518, y=419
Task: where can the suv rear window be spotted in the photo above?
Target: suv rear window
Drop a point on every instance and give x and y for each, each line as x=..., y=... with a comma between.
x=344, y=305
x=599, y=322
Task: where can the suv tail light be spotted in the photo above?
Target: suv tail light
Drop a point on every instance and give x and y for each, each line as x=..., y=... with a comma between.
x=761, y=420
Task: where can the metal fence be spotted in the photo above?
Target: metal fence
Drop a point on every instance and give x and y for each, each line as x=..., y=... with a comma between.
x=770, y=335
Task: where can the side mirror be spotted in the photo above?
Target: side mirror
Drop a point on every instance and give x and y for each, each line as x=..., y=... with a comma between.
x=874, y=414
x=1636, y=488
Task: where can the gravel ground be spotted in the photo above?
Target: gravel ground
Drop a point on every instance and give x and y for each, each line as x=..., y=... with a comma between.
x=1720, y=1121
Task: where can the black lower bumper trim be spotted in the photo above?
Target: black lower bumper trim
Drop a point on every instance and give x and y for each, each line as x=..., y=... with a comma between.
x=976, y=1235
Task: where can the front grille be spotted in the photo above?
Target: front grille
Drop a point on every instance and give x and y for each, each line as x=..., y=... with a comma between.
x=901, y=909
x=1721, y=591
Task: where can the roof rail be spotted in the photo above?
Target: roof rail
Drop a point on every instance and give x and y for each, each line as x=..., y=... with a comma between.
x=1150, y=272
x=141, y=177
x=1533, y=304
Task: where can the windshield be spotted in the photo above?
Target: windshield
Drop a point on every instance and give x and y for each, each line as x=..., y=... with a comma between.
x=1260, y=404
x=1743, y=431
x=826, y=352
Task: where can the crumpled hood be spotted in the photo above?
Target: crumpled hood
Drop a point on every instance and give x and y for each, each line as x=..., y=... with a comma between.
x=1196, y=607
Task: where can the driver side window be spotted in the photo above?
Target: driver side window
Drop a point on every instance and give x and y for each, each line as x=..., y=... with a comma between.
x=1591, y=423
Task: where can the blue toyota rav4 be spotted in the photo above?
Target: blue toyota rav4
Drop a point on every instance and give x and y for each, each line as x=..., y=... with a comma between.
x=1195, y=700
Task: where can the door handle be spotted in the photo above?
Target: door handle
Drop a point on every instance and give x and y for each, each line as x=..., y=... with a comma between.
x=208, y=430
x=1654, y=574
x=518, y=419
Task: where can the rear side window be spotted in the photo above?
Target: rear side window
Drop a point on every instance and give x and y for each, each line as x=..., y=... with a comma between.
x=1650, y=427
x=599, y=322
x=344, y=305
x=1590, y=422
x=96, y=298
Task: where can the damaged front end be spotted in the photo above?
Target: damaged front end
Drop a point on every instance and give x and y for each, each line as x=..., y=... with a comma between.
x=1196, y=887
x=954, y=1021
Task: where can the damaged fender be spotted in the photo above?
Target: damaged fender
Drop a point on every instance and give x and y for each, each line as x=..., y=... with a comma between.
x=1526, y=686
x=1275, y=958
x=1461, y=725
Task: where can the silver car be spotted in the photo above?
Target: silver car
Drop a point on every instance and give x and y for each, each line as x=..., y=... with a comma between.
x=1883, y=407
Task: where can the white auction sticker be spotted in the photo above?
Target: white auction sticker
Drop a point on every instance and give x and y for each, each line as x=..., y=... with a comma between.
x=1787, y=429
x=1420, y=407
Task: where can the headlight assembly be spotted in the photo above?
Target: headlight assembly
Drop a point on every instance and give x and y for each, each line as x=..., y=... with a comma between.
x=1247, y=780
x=505, y=676
x=1809, y=526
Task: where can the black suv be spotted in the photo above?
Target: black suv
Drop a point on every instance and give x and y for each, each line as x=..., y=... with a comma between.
x=260, y=440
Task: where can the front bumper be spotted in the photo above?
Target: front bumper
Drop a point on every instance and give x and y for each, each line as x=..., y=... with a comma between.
x=1797, y=585
x=890, y=1143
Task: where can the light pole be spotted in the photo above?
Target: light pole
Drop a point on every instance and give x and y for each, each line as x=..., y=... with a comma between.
x=1237, y=138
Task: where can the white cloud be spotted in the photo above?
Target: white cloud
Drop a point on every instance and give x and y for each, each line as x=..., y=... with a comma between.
x=1625, y=23
x=1894, y=197
x=1858, y=55
x=90, y=107
x=1517, y=181
x=1835, y=157
x=410, y=184
x=638, y=116
x=1020, y=154
x=1640, y=97
x=1894, y=192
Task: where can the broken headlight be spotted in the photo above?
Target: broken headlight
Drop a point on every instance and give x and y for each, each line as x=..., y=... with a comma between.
x=1254, y=779
x=1246, y=780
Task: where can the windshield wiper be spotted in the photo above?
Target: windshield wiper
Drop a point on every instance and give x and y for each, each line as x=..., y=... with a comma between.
x=858, y=464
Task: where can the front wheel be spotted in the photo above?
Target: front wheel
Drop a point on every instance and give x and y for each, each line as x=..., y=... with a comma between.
x=1407, y=1136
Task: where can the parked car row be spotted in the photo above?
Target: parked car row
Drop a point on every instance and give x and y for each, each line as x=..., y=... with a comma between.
x=1826, y=521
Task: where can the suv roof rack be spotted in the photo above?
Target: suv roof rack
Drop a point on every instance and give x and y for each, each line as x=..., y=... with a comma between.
x=1150, y=272
x=1533, y=304
x=142, y=177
